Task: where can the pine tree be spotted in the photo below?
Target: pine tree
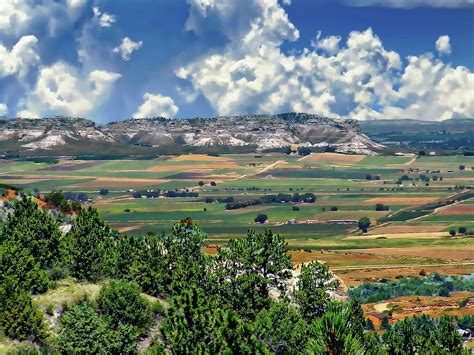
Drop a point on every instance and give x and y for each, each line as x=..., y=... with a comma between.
x=90, y=246
x=36, y=230
x=19, y=317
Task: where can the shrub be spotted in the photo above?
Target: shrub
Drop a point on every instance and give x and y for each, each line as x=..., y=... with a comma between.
x=364, y=224
x=58, y=273
x=122, y=302
x=261, y=218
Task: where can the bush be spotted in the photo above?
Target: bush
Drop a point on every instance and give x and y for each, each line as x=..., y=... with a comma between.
x=122, y=302
x=83, y=331
x=364, y=224
x=261, y=218
x=58, y=273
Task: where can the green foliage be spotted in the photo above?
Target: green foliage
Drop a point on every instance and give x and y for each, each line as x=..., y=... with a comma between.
x=433, y=285
x=282, y=328
x=364, y=224
x=261, y=218
x=423, y=335
x=90, y=246
x=335, y=332
x=312, y=289
x=192, y=326
x=17, y=263
x=19, y=317
x=246, y=268
x=35, y=230
x=83, y=331
x=122, y=303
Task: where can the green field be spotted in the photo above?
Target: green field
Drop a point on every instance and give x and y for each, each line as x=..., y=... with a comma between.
x=340, y=185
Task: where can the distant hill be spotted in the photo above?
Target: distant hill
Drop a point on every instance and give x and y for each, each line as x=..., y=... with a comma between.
x=449, y=135
x=151, y=136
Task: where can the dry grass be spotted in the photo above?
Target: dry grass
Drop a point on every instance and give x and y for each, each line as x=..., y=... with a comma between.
x=454, y=253
x=357, y=277
x=118, y=182
x=195, y=167
x=406, y=229
x=335, y=158
x=436, y=306
x=432, y=235
x=198, y=157
x=457, y=209
x=401, y=200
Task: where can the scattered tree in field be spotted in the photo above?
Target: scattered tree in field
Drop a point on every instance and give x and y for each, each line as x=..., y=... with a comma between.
x=334, y=208
x=261, y=218
x=452, y=232
x=462, y=230
x=462, y=167
x=421, y=153
x=104, y=192
x=201, y=183
x=213, y=183
x=304, y=151
x=381, y=207
x=364, y=224
x=295, y=208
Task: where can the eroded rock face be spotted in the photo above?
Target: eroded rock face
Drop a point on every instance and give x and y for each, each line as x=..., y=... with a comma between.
x=260, y=131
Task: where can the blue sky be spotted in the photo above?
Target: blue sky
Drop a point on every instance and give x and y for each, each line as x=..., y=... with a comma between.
x=116, y=59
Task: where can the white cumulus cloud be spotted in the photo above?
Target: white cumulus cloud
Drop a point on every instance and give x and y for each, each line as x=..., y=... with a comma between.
x=412, y=3
x=20, y=58
x=127, y=47
x=156, y=106
x=61, y=89
x=18, y=16
x=443, y=45
x=3, y=109
x=103, y=19
x=356, y=77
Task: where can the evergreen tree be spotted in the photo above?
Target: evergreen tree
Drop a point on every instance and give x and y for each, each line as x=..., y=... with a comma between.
x=90, y=246
x=82, y=331
x=282, y=328
x=122, y=303
x=333, y=333
x=19, y=317
x=314, y=283
x=192, y=326
x=36, y=230
x=17, y=263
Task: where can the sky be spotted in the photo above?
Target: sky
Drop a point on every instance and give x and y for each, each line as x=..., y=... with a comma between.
x=109, y=60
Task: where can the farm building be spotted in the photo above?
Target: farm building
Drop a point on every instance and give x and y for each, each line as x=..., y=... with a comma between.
x=376, y=318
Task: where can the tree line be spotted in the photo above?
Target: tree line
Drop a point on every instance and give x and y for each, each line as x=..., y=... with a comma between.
x=238, y=301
